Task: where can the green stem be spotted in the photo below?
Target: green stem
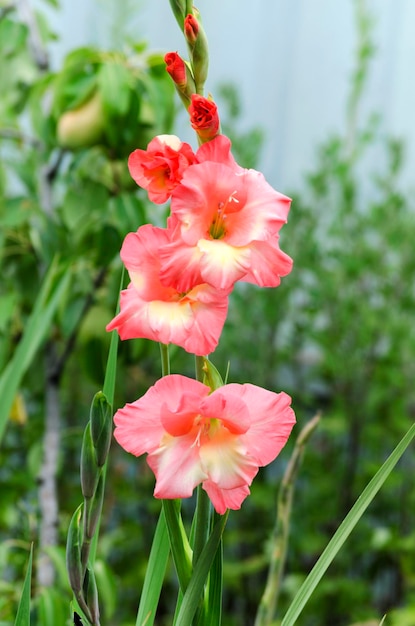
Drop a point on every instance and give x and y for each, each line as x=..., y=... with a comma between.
x=202, y=513
x=199, y=367
x=268, y=604
x=165, y=359
x=202, y=523
x=179, y=544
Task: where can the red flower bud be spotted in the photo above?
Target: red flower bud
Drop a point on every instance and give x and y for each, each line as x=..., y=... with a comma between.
x=191, y=29
x=176, y=67
x=204, y=117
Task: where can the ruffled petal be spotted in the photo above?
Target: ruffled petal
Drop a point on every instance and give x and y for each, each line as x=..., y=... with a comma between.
x=221, y=265
x=138, y=425
x=272, y=420
x=225, y=460
x=223, y=499
x=262, y=213
x=218, y=150
x=176, y=465
x=205, y=189
x=268, y=263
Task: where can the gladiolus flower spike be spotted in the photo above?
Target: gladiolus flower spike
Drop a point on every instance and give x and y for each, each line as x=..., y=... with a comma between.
x=194, y=436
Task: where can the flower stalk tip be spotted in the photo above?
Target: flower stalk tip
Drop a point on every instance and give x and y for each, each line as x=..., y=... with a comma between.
x=198, y=48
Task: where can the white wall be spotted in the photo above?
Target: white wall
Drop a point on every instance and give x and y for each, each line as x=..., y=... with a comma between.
x=291, y=59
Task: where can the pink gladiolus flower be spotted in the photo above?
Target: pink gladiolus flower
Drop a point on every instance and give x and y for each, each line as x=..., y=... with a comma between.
x=160, y=168
x=192, y=436
x=227, y=223
x=192, y=320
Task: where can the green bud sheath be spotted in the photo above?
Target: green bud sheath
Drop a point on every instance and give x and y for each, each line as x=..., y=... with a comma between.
x=91, y=594
x=94, y=508
x=211, y=376
x=179, y=11
x=101, y=426
x=89, y=468
x=73, y=552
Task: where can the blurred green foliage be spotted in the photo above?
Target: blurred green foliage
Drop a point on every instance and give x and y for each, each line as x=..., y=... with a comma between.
x=337, y=334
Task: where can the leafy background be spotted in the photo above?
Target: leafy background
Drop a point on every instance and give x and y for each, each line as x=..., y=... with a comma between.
x=337, y=335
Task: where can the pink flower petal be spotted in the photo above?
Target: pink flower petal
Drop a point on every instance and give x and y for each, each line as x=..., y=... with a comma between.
x=218, y=150
x=225, y=460
x=138, y=425
x=205, y=189
x=221, y=265
x=272, y=420
x=150, y=309
x=268, y=263
x=176, y=466
x=223, y=499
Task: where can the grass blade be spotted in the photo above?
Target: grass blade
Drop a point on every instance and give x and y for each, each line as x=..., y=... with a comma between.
x=37, y=327
x=344, y=530
x=23, y=611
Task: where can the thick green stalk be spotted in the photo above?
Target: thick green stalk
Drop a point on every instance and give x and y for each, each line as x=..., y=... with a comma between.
x=180, y=548
x=165, y=359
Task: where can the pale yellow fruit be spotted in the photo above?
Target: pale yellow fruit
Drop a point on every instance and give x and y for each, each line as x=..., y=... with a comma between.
x=83, y=126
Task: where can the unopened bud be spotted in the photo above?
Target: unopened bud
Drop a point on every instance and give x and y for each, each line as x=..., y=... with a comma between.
x=73, y=552
x=91, y=594
x=181, y=75
x=204, y=117
x=101, y=427
x=211, y=376
x=93, y=508
x=89, y=468
x=191, y=29
x=198, y=48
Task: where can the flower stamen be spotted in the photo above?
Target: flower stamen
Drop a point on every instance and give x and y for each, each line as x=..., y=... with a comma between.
x=217, y=228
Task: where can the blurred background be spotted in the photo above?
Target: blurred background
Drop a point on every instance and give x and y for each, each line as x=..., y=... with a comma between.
x=319, y=96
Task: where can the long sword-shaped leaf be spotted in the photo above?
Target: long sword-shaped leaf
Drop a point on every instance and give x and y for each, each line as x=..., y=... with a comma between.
x=155, y=573
x=192, y=597
x=344, y=530
x=34, y=334
x=23, y=611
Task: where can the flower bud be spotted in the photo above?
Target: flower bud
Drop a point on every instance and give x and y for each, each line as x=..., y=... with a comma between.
x=198, y=48
x=191, y=29
x=89, y=469
x=91, y=593
x=101, y=427
x=73, y=552
x=176, y=67
x=93, y=508
x=181, y=75
x=211, y=376
x=204, y=117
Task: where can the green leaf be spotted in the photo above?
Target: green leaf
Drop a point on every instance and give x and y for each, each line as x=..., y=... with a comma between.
x=111, y=370
x=155, y=573
x=37, y=327
x=115, y=88
x=213, y=605
x=191, y=599
x=180, y=548
x=344, y=530
x=23, y=611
